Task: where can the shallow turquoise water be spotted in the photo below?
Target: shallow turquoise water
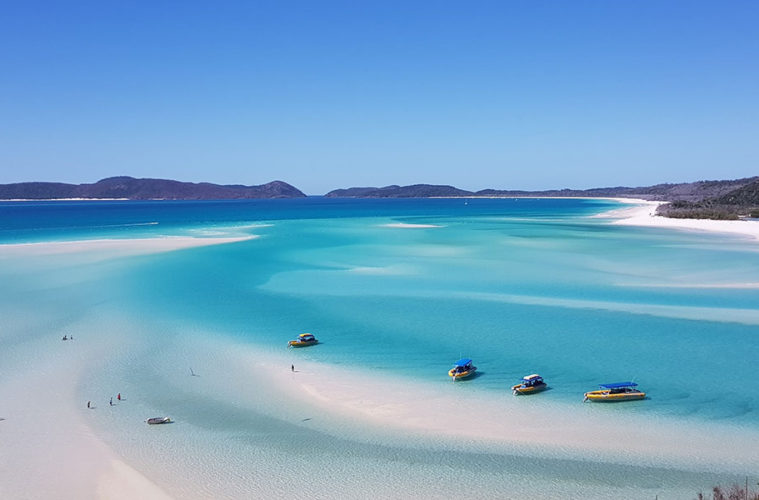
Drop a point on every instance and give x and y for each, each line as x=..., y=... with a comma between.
x=520, y=286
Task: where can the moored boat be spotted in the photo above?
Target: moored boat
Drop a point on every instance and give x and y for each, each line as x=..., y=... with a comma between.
x=530, y=385
x=303, y=340
x=462, y=369
x=158, y=420
x=618, y=391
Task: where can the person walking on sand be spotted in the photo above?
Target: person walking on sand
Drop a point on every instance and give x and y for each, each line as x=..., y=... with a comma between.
x=292, y=368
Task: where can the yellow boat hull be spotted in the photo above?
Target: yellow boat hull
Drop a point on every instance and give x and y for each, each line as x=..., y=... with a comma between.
x=518, y=389
x=606, y=397
x=299, y=343
x=460, y=375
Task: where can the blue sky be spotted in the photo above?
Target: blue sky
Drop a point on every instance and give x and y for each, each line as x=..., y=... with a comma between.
x=508, y=95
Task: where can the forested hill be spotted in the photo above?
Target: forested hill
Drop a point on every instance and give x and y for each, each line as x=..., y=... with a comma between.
x=690, y=191
x=725, y=199
x=746, y=195
x=740, y=202
x=145, y=189
x=414, y=191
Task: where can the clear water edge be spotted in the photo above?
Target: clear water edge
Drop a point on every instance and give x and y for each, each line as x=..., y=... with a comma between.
x=375, y=294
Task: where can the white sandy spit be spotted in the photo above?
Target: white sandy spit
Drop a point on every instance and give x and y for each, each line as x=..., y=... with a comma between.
x=114, y=247
x=643, y=213
x=47, y=448
x=508, y=423
x=360, y=405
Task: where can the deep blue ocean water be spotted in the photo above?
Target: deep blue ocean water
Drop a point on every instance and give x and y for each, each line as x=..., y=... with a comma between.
x=518, y=285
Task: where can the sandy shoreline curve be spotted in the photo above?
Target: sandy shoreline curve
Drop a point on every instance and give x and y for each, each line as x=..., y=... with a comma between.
x=506, y=423
x=50, y=449
x=643, y=214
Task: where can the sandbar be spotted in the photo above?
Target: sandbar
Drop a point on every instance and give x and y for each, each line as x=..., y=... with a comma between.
x=504, y=423
x=110, y=247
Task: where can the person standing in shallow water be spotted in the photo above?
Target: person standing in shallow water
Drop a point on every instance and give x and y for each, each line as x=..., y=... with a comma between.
x=88, y=404
x=111, y=401
x=292, y=368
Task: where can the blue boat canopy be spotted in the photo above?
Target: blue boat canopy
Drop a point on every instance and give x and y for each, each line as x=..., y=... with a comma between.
x=463, y=362
x=618, y=385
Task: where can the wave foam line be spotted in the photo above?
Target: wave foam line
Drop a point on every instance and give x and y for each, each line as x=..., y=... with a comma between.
x=404, y=225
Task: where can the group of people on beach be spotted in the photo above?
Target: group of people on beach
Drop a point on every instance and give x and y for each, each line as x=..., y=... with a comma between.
x=110, y=402
x=89, y=403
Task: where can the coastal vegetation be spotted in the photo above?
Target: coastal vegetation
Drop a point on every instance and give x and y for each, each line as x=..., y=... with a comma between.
x=735, y=492
x=738, y=203
x=697, y=210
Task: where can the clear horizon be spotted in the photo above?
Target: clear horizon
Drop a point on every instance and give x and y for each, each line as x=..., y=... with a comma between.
x=489, y=95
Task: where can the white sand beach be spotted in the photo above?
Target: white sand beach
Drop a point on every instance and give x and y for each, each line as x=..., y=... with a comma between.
x=49, y=449
x=643, y=213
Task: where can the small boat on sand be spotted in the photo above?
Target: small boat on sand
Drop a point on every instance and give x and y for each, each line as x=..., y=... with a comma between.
x=612, y=393
x=303, y=340
x=529, y=385
x=462, y=369
x=158, y=420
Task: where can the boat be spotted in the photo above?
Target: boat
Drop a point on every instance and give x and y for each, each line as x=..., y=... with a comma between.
x=618, y=391
x=530, y=385
x=303, y=340
x=462, y=369
x=158, y=420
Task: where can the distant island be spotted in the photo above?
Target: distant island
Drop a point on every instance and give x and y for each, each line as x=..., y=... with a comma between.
x=723, y=200
x=145, y=189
